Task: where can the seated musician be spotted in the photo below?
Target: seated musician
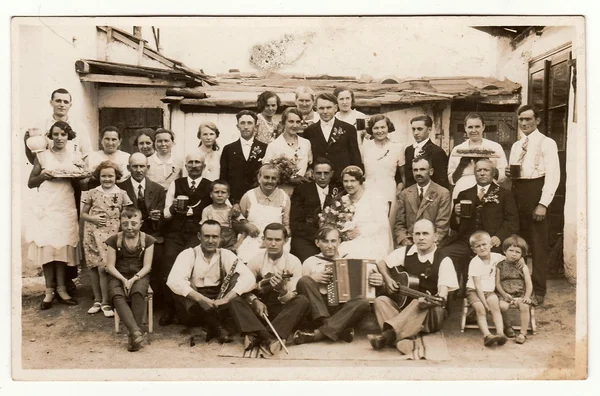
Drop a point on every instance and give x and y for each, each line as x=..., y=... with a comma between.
x=333, y=323
x=436, y=276
x=208, y=287
x=277, y=273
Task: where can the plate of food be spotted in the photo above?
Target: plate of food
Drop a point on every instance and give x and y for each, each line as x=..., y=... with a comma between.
x=476, y=153
x=74, y=172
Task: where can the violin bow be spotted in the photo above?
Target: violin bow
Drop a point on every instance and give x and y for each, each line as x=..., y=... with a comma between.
x=275, y=332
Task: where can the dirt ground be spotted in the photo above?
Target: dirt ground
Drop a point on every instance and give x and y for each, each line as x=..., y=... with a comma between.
x=68, y=338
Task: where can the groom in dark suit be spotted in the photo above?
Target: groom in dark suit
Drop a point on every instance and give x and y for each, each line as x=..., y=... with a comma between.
x=241, y=160
x=307, y=202
x=333, y=139
x=493, y=209
x=424, y=147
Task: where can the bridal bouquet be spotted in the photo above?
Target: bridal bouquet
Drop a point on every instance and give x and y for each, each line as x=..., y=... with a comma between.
x=339, y=214
x=287, y=168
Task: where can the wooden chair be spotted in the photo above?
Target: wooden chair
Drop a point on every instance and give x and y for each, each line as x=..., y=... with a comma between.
x=467, y=310
x=148, y=315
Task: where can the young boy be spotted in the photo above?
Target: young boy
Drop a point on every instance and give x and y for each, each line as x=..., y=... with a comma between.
x=221, y=211
x=481, y=286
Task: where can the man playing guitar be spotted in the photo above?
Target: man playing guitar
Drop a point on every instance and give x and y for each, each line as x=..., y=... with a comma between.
x=432, y=275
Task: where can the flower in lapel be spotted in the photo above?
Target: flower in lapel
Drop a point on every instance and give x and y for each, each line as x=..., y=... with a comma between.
x=492, y=196
x=336, y=134
x=431, y=196
x=254, y=153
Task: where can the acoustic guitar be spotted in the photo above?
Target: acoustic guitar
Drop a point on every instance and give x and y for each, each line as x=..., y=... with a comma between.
x=408, y=287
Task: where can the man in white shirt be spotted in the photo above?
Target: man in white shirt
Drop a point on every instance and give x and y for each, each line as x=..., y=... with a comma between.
x=182, y=226
x=277, y=273
x=535, y=177
x=436, y=276
x=208, y=282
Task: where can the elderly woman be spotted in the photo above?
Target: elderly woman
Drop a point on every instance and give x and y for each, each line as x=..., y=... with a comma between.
x=54, y=230
x=111, y=141
x=461, y=166
x=367, y=235
x=145, y=141
x=267, y=103
x=291, y=146
x=208, y=134
x=384, y=163
x=263, y=205
x=305, y=103
x=163, y=167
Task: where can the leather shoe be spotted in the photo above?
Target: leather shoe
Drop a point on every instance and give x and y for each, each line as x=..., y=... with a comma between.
x=135, y=341
x=491, y=339
x=501, y=339
x=509, y=332
x=377, y=340
x=167, y=318
x=303, y=337
x=272, y=346
x=68, y=301
x=45, y=305
x=539, y=299
x=250, y=341
x=347, y=335
x=223, y=336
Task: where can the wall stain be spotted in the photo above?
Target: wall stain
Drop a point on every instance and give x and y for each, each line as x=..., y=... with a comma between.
x=275, y=54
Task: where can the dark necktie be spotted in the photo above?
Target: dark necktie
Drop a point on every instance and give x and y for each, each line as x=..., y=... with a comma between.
x=420, y=195
x=193, y=186
x=141, y=204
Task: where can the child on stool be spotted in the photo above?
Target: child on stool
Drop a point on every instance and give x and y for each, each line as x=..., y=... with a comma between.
x=221, y=211
x=129, y=263
x=481, y=286
x=101, y=215
x=513, y=284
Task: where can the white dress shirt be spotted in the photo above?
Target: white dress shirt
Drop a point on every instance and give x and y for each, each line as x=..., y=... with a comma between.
x=171, y=194
x=425, y=188
x=485, y=189
x=323, y=192
x=261, y=264
x=446, y=275
x=136, y=186
x=246, y=147
x=419, y=147
x=541, y=160
x=326, y=127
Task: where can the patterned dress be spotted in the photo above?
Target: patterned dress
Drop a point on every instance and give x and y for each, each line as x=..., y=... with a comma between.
x=512, y=280
x=110, y=202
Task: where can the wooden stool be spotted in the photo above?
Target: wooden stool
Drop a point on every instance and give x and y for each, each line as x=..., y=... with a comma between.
x=148, y=315
x=467, y=310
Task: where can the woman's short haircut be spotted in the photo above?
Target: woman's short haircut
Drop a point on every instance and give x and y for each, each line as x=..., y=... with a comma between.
x=276, y=227
x=64, y=127
x=248, y=113
x=130, y=212
x=261, y=101
x=163, y=130
x=327, y=96
x=474, y=116
x=287, y=112
x=213, y=127
x=110, y=128
x=478, y=236
x=355, y=172
x=326, y=229
x=221, y=182
x=339, y=90
x=375, y=119
x=107, y=165
x=423, y=117
x=144, y=132
x=515, y=241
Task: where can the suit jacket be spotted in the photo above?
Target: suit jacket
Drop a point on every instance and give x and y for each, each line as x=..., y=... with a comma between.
x=241, y=174
x=154, y=198
x=498, y=216
x=435, y=206
x=305, y=209
x=438, y=158
x=342, y=150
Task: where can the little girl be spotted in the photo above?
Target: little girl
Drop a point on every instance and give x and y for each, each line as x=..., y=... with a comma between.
x=513, y=284
x=101, y=213
x=221, y=211
x=129, y=263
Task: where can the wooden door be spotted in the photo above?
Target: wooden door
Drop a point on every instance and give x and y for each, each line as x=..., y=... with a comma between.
x=130, y=121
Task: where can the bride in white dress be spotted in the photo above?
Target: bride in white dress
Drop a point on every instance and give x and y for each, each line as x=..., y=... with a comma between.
x=368, y=235
x=383, y=158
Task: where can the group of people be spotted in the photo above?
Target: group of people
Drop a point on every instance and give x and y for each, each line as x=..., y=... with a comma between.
x=230, y=238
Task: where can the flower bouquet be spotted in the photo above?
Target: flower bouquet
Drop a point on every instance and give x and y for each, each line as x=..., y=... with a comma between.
x=287, y=168
x=339, y=214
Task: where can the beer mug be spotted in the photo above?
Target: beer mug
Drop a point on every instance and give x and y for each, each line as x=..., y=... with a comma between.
x=182, y=203
x=515, y=171
x=466, y=208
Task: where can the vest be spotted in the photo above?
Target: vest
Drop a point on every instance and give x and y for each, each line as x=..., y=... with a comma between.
x=200, y=199
x=427, y=272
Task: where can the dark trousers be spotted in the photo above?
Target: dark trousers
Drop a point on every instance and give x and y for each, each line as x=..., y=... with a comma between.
x=283, y=317
x=175, y=243
x=527, y=194
x=334, y=319
x=133, y=315
x=303, y=248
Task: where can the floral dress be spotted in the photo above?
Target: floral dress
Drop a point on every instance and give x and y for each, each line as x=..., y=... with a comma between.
x=512, y=280
x=110, y=202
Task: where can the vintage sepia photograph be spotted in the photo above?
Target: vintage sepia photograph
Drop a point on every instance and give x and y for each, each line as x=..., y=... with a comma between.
x=299, y=198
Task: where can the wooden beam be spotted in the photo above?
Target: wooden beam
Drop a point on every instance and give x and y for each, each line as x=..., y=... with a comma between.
x=140, y=53
x=130, y=80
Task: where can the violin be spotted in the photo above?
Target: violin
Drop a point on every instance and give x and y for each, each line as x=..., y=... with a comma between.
x=264, y=284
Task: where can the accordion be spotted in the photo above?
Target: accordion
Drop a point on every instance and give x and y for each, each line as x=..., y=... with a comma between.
x=350, y=280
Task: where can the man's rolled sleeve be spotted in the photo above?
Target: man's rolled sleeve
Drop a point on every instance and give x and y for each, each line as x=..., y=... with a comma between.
x=179, y=278
x=447, y=275
x=246, y=281
x=170, y=197
x=396, y=258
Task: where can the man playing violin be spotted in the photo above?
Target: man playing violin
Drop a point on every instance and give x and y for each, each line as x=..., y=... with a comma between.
x=436, y=277
x=277, y=273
